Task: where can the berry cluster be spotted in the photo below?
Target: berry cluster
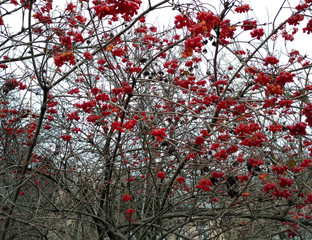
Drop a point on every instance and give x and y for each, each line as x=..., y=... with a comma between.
x=307, y=111
x=270, y=60
x=204, y=185
x=257, y=33
x=126, y=198
x=60, y=59
x=249, y=25
x=161, y=175
x=242, y=8
x=283, y=78
x=298, y=129
x=159, y=134
x=285, y=182
x=127, y=8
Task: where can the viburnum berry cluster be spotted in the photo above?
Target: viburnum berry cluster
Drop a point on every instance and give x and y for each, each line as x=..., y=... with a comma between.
x=270, y=60
x=308, y=28
x=159, y=134
x=126, y=198
x=283, y=78
x=297, y=129
x=307, y=111
x=249, y=25
x=204, y=185
x=273, y=89
x=257, y=33
x=227, y=31
x=242, y=9
x=61, y=59
x=206, y=21
x=276, y=128
x=127, y=9
x=161, y=175
x=284, y=182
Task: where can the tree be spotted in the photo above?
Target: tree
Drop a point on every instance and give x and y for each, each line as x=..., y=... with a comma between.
x=113, y=128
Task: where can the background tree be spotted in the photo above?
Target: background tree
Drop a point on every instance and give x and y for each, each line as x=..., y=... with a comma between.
x=113, y=128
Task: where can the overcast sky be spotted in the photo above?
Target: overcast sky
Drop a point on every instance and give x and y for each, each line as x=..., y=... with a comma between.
x=264, y=11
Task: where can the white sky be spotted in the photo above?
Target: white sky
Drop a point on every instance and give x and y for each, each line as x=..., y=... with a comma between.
x=262, y=10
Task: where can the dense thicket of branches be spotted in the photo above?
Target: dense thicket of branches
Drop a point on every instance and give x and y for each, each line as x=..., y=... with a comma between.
x=114, y=128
